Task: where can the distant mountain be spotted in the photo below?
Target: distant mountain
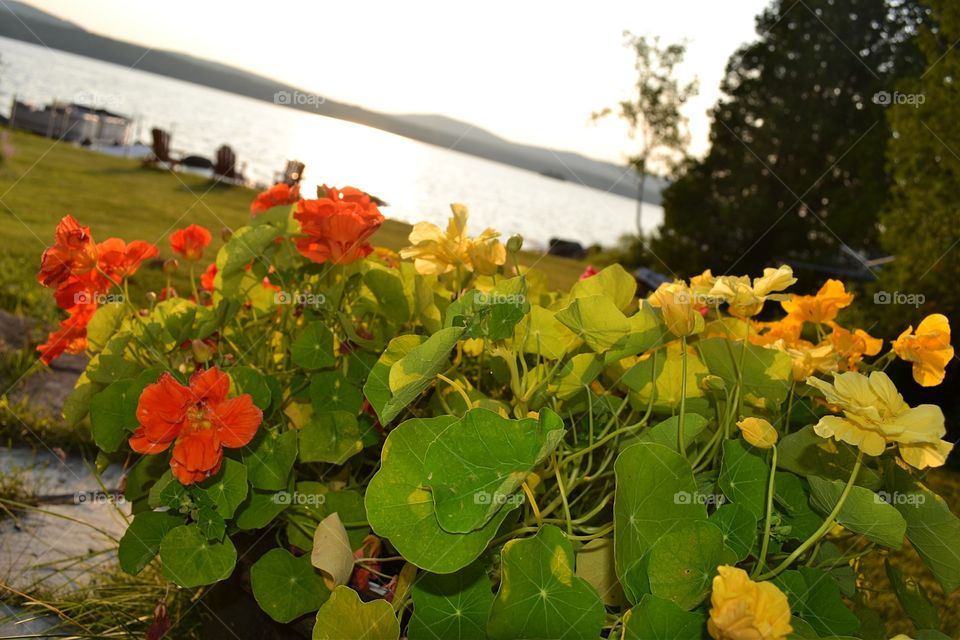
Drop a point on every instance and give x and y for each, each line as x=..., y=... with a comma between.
x=35, y=26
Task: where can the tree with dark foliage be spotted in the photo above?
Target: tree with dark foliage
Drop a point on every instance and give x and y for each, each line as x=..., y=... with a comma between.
x=796, y=169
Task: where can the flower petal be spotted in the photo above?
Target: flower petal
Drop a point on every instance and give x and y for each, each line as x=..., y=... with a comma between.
x=236, y=421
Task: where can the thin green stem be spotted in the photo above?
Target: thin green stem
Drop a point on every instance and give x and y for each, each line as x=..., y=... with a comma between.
x=683, y=395
x=824, y=528
x=762, y=558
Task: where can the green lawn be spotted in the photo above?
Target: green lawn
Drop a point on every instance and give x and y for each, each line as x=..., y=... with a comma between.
x=118, y=197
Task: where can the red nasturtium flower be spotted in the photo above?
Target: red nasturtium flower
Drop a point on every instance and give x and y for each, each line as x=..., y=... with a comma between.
x=206, y=278
x=337, y=225
x=589, y=272
x=80, y=270
x=120, y=260
x=190, y=242
x=278, y=195
x=73, y=253
x=199, y=420
x=71, y=337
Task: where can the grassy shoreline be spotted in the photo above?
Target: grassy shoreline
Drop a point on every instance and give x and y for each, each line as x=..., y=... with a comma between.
x=117, y=196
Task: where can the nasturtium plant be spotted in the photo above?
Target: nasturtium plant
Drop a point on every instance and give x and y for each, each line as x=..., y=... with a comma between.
x=435, y=444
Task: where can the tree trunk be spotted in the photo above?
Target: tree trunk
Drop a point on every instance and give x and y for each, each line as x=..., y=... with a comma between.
x=643, y=180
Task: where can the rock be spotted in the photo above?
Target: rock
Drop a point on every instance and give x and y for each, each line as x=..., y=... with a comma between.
x=14, y=331
x=42, y=550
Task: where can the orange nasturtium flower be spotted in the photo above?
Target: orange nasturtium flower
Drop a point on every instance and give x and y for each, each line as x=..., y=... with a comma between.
x=278, y=195
x=875, y=415
x=199, y=420
x=337, y=225
x=928, y=349
x=822, y=307
x=741, y=609
x=436, y=252
x=853, y=345
x=190, y=242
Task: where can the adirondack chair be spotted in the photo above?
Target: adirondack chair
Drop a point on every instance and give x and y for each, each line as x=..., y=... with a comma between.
x=293, y=173
x=161, y=147
x=226, y=163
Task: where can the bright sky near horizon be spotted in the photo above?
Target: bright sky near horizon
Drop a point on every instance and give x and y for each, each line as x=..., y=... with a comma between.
x=528, y=71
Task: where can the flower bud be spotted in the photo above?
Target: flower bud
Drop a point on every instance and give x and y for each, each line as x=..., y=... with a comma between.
x=713, y=383
x=514, y=243
x=202, y=350
x=758, y=432
x=151, y=297
x=226, y=233
x=171, y=265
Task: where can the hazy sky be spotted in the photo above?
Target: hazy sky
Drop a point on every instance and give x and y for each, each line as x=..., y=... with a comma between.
x=527, y=70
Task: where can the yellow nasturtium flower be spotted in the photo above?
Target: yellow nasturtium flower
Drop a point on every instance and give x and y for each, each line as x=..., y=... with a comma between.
x=680, y=312
x=808, y=359
x=741, y=609
x=822, y=307
x=758, y=432
x=875, y=415
x=436, y=252
x=928, y=349
x=744, y=299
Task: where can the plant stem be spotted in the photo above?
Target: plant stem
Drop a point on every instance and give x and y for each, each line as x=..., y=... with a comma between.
x=762, y=559
x=683, y=395
x=824, y=528
x=193, y=283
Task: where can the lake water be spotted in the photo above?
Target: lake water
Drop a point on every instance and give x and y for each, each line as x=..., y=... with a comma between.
x=417, y=179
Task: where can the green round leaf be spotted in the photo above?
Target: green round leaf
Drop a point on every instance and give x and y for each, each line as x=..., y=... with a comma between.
x=259, y=509
x=141, y=541
x=656, y=618
x=330, y=391
x=476, y=464
x=250, y=381
x=655, y=492
x=683, y=562
x=744, y=477
x=190, y=560
x=540, y=596
x=451, y=606
x=332, y=437
x=864, y=511
x=739, y=528
x=313, y=348
x=270, y=457
x=399, y=506
x=343, y=616
x=228, y=488
x=286, y=587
